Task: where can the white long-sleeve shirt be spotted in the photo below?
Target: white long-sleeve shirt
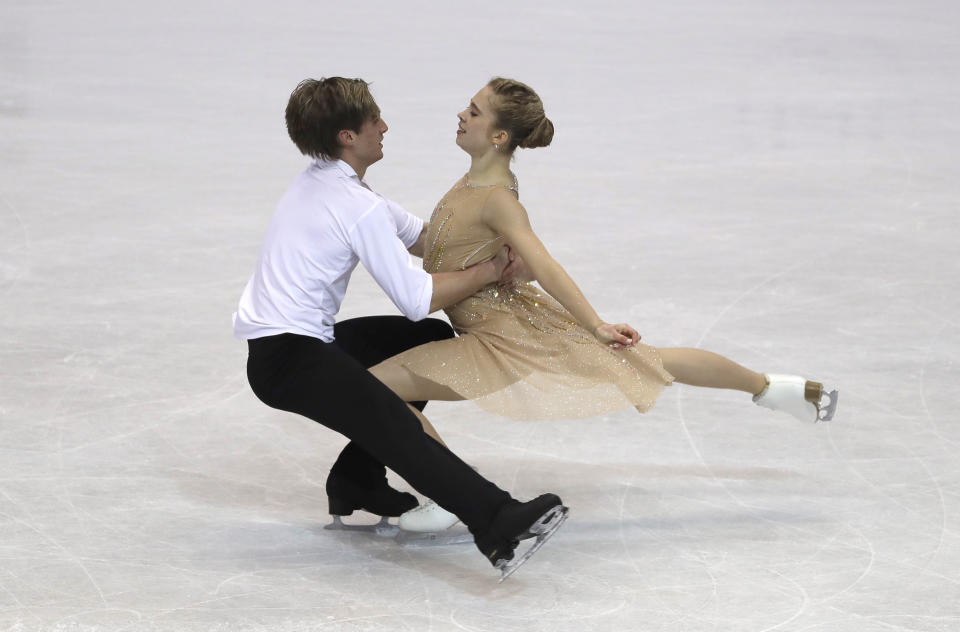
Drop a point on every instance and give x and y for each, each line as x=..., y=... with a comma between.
x=327, y=222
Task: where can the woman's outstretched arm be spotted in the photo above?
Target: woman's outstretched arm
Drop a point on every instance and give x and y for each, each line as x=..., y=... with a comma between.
x=504, y=214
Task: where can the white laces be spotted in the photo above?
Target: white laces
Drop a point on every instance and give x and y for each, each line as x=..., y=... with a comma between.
x=427, y=506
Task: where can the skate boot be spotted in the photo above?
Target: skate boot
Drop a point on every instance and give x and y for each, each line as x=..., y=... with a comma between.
x=795, y=395
x=427, y=518
x=430, y=525
x=539, y=518
x=345, y=495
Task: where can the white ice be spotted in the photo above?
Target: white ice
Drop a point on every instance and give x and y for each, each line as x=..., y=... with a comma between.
x=775, y=181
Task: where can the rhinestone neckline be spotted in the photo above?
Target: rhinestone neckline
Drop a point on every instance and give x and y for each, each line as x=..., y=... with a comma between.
x=514, y=187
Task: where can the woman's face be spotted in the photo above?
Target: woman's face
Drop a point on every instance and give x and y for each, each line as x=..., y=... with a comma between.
x=476, y=129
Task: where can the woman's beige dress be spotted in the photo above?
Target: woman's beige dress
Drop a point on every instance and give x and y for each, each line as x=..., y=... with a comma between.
x=519, y=353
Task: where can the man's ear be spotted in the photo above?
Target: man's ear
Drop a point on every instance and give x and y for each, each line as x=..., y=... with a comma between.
x=346, y=137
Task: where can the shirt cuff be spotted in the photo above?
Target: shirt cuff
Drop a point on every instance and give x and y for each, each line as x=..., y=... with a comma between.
x=426, y=295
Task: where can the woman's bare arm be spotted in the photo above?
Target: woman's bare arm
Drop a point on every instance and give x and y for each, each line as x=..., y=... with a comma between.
x=504, y=214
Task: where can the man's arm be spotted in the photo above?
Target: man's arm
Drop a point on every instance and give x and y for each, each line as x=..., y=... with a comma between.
x=406, y=222
x=411, y=289
x=417, y=249
x=450, y=288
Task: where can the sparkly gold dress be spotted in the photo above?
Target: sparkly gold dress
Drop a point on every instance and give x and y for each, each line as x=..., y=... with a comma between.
x=519, y=353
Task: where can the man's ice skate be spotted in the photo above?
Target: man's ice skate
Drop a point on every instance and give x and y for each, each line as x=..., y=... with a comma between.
x=539, y=518
x=430, y=525
x=799, y=397
x=345, y=496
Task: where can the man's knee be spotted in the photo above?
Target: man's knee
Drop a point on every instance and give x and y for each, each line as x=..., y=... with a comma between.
x=435, y=329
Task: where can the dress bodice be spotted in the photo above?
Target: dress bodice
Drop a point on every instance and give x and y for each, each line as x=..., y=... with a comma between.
x=518, y=352
x=457, y=237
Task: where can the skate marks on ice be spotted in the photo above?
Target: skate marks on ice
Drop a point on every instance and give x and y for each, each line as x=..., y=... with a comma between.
x=16, y=241
x=911, y=480
x=457, y=534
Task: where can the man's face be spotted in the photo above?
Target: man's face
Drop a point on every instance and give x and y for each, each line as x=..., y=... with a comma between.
x=368, y=147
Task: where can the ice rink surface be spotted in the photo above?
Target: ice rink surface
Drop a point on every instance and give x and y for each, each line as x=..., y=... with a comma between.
x=774, y=181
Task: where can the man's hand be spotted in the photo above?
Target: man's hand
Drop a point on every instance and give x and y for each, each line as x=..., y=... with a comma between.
x=516, y=271
x=501, y=261
x=506, y=267
x=449, y=288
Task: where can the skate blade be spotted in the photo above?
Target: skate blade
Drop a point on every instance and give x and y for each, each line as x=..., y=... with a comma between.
x=826, y=414
x=543, y=529
x=382, y=528
x=415, y=539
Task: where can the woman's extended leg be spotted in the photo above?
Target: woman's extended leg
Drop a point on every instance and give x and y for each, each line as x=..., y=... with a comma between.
x=788, y=393
x=705, y=368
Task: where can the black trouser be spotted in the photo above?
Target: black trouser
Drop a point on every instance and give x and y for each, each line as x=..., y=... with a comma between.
x=319, y=380
x=370, y=340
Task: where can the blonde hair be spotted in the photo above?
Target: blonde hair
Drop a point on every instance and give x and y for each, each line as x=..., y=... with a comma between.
x=519, y=111
x=319, y=109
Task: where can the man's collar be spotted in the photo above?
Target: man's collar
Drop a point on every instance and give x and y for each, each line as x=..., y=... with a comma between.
x=336, y=163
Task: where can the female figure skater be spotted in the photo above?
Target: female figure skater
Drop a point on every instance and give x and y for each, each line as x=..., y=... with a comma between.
x=521, y=353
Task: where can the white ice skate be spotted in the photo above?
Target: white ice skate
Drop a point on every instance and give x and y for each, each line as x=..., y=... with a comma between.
x=430, y=524
x=797, y=396
x=427, y=518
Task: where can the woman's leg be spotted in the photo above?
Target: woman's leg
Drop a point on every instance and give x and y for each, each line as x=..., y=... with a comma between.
x=409, y=386
x=427, y=426
x=705, y=368
x=791, y=394
x=413, y=388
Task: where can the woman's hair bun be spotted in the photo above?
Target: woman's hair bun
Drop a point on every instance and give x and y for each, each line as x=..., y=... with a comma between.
x=518, y=109
x=540, y=136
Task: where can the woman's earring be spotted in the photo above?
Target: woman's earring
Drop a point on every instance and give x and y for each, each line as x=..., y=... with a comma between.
x=496, y=146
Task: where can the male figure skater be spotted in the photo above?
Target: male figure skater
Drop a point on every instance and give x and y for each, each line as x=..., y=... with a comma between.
x=301, y=361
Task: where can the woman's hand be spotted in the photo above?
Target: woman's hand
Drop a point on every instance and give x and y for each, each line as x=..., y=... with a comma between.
x=617, y=336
